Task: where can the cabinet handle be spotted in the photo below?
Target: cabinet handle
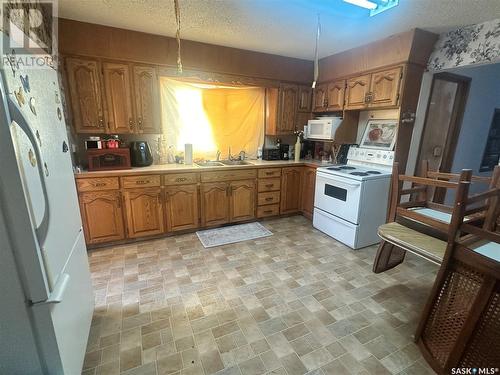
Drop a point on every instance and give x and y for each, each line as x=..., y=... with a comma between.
x=101, y=122
x=269, y=173
x=131, y=124
x=269, y=185
x=269, y=199
x=368, y=97
x=139, y=122
x=119, y=202
x=142, y=182
x=180, y=179
x=268, y=211
x=99, y=184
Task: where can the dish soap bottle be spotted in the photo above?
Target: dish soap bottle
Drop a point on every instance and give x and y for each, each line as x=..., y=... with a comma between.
x=297, y=149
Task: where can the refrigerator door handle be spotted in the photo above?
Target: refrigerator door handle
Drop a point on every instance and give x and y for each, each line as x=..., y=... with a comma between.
x=17, y=116
x=57, y=294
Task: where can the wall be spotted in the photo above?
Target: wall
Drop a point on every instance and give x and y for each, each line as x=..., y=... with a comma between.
x=81, y=38
x=484, y=97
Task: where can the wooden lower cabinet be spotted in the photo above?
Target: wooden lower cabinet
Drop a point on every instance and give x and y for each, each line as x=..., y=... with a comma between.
x=181, y=207
x=214, y=203
x=307, y=198
x=143, y=212
x=241, y=200
x=291, y=184
x=102, y=216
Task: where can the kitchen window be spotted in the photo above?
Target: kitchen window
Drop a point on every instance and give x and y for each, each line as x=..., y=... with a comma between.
x=212, y=117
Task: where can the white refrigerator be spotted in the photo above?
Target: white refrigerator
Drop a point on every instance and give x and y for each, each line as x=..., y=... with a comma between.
x=46, y=293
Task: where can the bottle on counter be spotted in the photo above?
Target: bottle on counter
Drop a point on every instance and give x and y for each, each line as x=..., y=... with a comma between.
x=297, y=149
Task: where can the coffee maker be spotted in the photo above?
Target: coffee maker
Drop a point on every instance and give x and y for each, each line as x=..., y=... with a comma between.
x=140, y=154
x=284, y=151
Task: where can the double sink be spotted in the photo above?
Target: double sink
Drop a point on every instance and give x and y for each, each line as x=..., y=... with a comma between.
x=222, y=163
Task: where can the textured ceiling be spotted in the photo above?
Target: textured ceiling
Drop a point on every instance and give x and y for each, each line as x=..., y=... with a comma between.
x=284, y=27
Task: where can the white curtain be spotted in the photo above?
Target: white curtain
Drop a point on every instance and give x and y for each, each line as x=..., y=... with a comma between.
x=212, y=118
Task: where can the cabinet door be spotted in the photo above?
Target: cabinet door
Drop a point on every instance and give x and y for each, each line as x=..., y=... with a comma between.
x=118, y=98
x=335, y=95
x=84, y=81
x=287, y=109
x=308, y=185
x=242, y=200
x=214, y=203
x=305, y=97
x=181, y=207
x=319, y=100
x=146, y=98
x=101, y=216
x=357, y=90
x=385, y=87
x=144, y=212
x=291, y=178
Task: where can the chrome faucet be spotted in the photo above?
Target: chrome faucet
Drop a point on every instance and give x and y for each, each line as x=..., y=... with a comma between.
x=242, y=155
x=217, y=155
x=229, y=156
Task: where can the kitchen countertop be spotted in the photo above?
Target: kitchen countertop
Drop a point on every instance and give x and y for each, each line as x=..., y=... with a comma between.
x=180, y=168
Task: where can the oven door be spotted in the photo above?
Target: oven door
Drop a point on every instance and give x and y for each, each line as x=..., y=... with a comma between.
x=338, y=196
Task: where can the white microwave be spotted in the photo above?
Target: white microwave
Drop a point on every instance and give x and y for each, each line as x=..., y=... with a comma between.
x=323, y=128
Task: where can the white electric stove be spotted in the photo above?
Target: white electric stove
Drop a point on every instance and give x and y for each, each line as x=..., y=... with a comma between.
x=350, y=201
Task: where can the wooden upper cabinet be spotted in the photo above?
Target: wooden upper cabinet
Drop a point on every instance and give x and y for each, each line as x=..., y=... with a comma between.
x=144, y=212
x=147, y=100
x=287, y=109
x=84, y=81
x=357, y=92
x=384, y=87
x=304, y=99
x=181, y=207
x=335, y=95
x=118, y=97
x=307, y=195
x=242, y=200
x=214, y=203
x=291, y=179
x=102, y=216
x=319, y=99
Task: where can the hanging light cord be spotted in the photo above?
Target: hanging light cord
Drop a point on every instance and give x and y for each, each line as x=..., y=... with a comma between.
x=178, y=35
x=316, y=55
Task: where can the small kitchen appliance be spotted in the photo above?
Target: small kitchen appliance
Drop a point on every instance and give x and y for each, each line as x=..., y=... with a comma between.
x=94, y=143
x=270, y=154
x=284, y=151
x=140, y=154
x=323, y=128
x=350, y=201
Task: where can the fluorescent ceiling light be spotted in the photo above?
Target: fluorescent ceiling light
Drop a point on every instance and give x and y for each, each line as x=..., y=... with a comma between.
x=362, y=3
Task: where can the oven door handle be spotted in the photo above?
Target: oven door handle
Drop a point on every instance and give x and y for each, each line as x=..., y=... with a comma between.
x=327, y=179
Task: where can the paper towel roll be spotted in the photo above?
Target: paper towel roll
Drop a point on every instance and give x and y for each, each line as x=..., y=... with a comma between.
x=188, y=153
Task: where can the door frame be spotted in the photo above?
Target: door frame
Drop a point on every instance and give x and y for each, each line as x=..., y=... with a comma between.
x=455, y=126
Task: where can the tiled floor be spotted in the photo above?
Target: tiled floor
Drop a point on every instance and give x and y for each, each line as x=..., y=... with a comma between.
x=294, y=303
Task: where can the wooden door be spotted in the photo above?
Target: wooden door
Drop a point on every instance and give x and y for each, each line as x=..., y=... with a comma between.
x=357, y=92
x=308, y=185
x=181, y=207
x=214, y=203
x=443, y=120
x=102, y=216
x=287, y=109
x=335, y=95
x=291, y=179
x=384, y=87
x=305, y=98
x=319, y=100
x=144, y=212
x=118, y=98
x=84, y=81
x=242, y=200
x=147, y=100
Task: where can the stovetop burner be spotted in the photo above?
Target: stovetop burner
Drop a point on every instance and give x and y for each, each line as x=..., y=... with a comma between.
x=359, y=174
x=347, y=167
x=373, y=172
x=333, y=169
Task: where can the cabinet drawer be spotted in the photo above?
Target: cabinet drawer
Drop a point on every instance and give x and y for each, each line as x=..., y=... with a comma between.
x=95, y=184
x=228, y=175
x=269, y=198
x=271, y=210
x=140, y=181
x=269, y=184
x=180, y=178
x=269, y=172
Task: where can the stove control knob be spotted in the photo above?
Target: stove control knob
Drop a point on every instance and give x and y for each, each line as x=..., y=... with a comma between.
x=385, y=156
x=391, y=157
x=378, y=156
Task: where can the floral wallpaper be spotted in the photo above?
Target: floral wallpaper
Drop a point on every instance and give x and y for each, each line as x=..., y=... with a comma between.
x=468, y=45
